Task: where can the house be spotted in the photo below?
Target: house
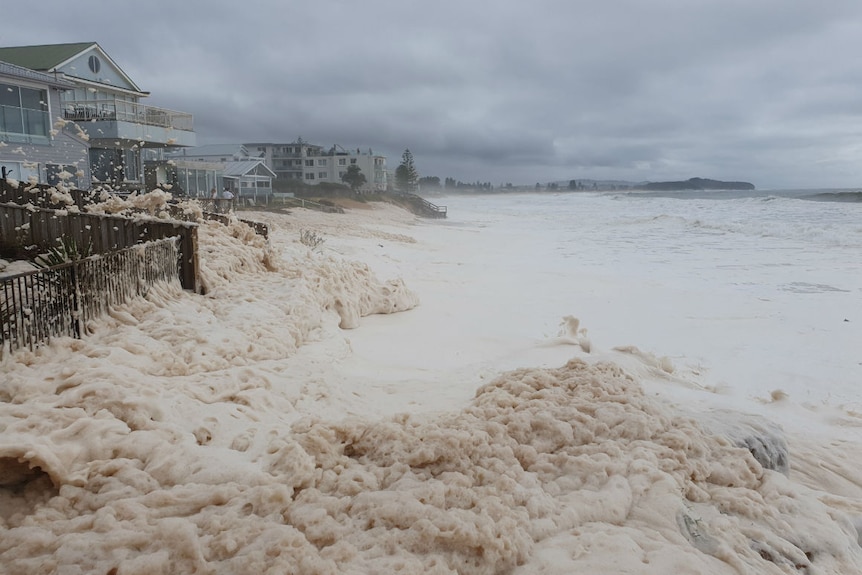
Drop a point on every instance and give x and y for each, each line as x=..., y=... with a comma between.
x=106, y=104
x=314, y=164
x=249, y=180
x=184, y=178
x=211, y=153
x=31, y=149
x=245, y=176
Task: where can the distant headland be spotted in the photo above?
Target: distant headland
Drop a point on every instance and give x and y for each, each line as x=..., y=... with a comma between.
x=697, y=184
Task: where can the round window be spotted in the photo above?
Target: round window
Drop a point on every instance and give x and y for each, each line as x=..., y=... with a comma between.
x=94, y=64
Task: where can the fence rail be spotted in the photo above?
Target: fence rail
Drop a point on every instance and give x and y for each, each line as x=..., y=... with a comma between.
x=29, y=228
x=42, y=195
x=259, y=228
x=62, y=300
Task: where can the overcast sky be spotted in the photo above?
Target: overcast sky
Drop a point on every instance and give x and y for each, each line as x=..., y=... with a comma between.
x=766, y=91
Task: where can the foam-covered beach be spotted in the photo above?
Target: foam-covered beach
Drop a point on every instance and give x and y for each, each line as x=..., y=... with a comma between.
x=432, y=397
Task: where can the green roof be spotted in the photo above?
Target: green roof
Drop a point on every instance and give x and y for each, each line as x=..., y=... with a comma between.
x=42, y=58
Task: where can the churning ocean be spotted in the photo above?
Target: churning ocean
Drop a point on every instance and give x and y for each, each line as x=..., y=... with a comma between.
x=762, y=290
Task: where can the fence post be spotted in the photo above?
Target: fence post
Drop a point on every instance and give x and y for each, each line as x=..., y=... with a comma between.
x=76, y=298
x=189, y=262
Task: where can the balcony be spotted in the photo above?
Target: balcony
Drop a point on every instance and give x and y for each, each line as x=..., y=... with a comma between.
x=116, y=119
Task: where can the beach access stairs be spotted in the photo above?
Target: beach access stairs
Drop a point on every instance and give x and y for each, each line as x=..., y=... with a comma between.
x=419, y=205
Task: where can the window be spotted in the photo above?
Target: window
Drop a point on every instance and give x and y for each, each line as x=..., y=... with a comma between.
x=309, y=163
x=94, y=64
x=321, y=162
x=56, y=174
x=342, y=161
x=21, y=171
x=352, y=161
x=23, y=115
x=321, y=175
x=309, y=176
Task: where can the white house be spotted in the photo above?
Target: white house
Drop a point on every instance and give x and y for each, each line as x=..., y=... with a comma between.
x=105, y=103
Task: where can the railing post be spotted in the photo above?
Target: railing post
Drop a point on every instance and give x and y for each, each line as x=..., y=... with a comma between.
x=75, y=293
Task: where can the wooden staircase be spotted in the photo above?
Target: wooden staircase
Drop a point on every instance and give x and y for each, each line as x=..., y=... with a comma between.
x=420, y=206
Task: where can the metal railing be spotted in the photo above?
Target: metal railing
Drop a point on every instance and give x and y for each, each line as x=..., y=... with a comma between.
x=62, y=300
x=118, y=110
x=423, y=207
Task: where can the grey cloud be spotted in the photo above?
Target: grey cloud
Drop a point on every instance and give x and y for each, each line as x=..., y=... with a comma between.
x=552, y=90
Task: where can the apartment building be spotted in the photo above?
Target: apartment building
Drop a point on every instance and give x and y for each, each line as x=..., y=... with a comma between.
x=313, y=164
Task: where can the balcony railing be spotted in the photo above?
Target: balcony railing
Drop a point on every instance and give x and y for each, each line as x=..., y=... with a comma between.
x=117, y=110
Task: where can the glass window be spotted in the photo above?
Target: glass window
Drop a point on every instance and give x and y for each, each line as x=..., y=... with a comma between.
x=23, y=114
x=11, y=122
x=321, y=162
x=9, y=95
x=55, y=174
x=309, y=163
x=321, y=175
x=309, y=176
x=342, y=161
x=34, y=99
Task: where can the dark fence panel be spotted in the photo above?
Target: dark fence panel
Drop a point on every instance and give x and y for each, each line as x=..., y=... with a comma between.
x=259, y=228
x=42, y=195
x=28, y=228
x=60, y=301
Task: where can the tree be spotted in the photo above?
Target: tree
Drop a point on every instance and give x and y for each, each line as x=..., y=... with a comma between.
x=354, y=177
x=406, y=176
x=429, y=182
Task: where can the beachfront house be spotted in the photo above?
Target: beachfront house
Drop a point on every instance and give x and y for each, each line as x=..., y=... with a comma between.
x=247, y=177
x=221, y=153
x=249, y=180
x=184, y=178
x=31, y=149
x=105, y=103
x=313, y=164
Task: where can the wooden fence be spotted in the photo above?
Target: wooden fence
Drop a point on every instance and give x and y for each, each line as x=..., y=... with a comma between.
x=39, y=229
x=259, y=228
x=44, y=196
x=60, y=301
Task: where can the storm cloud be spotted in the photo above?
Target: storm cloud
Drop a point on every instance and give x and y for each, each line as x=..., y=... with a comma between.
x=764, y=91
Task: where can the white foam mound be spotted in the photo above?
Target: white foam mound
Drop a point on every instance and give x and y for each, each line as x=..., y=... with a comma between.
x=576, y=454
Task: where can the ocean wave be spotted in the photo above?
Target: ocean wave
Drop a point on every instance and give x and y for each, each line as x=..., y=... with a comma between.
x=854, y=197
